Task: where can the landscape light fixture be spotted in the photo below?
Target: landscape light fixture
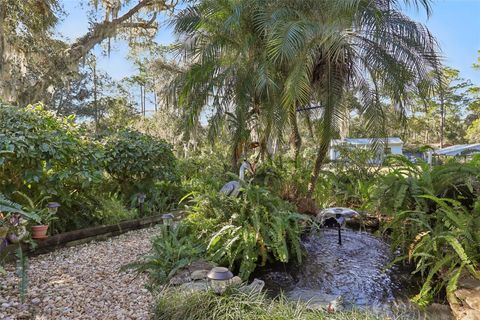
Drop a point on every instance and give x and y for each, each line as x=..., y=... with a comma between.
x=218, y=279
x=53, y=207
x=167, y=219
x=141, y=198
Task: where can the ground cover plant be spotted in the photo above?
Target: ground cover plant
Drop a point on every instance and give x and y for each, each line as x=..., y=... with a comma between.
x=245, y=305
x=434, y=221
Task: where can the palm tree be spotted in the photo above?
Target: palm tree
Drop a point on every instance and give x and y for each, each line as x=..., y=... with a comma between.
x=262, y=59
x=230, y=74
x=330, y=47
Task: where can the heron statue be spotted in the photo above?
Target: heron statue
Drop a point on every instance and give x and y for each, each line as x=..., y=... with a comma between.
x=232, y=188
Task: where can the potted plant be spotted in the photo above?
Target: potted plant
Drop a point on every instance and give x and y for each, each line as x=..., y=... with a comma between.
x=43, y=215
x=46, y=216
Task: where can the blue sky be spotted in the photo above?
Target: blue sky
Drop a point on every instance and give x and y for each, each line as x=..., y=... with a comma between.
x=455, y=24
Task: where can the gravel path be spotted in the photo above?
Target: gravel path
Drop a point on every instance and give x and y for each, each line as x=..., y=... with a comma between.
x=82, y=282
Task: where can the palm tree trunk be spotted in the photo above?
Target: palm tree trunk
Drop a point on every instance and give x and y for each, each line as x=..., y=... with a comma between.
x=295, y=138
x=333, y=96
x=319, y=161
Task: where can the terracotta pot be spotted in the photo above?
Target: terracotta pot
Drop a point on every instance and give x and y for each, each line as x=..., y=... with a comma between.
x=39, y=232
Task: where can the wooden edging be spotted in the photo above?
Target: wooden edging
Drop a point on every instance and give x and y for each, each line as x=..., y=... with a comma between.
x=80, y=236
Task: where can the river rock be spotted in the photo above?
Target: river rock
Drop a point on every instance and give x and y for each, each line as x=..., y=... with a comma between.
x=180, y=278
x=437, y=311
x=471, y=315
x=199, y=274
x=255, y=287
x=236, y=281
x=200, y=265
x=316, y=300
x=467, y=307
x=473, y=300
x=196, y=286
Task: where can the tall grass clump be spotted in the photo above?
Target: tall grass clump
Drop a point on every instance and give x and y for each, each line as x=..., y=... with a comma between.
x=237, y=305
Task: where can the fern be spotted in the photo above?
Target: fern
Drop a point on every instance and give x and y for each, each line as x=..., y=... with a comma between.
x=440, y=243
x=246, y=231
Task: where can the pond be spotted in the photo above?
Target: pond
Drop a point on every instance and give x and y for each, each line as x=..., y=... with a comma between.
x=353, y=274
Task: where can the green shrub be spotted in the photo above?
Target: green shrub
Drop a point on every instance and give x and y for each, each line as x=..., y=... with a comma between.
x=42, y=153
x=205, y=173
x=235, y=305
x=440, y=244
x=173, y=249
x=112, y=210
x=136, y=160
x=162, y=197
x=404, y=186
x=246, y=231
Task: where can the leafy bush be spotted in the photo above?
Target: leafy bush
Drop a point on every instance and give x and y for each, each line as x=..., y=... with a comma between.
x=112, y=210
x=136, y=160
x=162, y=197
x=406, y=183
x=246, y=231
x=173, y=249
x=440, y=243
x=13, y=222
x=434, y=220
x=204, y=173
x=236, y=305
x=43, y=153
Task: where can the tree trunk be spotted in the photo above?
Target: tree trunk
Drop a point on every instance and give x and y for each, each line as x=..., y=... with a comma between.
x=141, y=99
x=442, y=121
x=97, y=34
x=295, y=138
x=319, y=160
x=95, y=102
x=144, y=101
x=2, y=36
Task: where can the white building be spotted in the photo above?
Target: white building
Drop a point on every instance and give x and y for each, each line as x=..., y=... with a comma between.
x=393, y=145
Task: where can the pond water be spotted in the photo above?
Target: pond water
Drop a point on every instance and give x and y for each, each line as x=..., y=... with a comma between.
x=356, y=271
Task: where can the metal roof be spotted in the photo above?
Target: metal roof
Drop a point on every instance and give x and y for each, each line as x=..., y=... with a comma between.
x=459, y=149
x=367, y=141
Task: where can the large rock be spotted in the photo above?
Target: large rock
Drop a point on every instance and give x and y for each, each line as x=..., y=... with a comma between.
x=200, y=265
x=473, y=300
x=437, y=311
x=467, y=305
x=199, y=274
x=317, y=301
x=255, y=287
x=197, y=270
x=181, y=277
x=196, y=286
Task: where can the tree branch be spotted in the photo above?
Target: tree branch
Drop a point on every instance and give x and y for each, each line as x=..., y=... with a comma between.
x=98, y=33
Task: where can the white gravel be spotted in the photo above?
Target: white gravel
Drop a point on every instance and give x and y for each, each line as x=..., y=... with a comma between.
x=82, y=282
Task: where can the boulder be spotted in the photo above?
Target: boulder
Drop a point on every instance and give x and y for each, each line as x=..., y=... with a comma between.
x=437, y=311
x=467, y=307
x=236, y=281
x=196, y=286
x=199, y=275
x=473, y=300
x=181, y=277
x=200, y=265
x=317, y=301
x=255, y=287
